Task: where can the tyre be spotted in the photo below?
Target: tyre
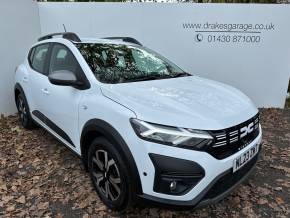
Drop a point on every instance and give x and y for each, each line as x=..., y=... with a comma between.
x=23, y=110
x=109, y=174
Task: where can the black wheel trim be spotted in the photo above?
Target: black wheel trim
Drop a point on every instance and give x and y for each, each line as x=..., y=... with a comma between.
x=22, y=110
x=106, y=175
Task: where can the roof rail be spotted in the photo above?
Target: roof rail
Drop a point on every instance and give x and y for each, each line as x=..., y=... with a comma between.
x=66, y=35
x=125, y=39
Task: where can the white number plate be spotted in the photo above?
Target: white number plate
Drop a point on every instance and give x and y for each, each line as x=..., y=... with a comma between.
x=244, y=158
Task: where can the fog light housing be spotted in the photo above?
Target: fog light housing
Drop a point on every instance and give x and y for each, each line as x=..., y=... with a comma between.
x=175, y=176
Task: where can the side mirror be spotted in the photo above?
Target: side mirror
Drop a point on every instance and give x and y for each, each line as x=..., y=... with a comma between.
x=64, y=78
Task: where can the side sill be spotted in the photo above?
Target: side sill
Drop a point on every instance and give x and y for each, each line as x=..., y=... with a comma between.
x=56, y=136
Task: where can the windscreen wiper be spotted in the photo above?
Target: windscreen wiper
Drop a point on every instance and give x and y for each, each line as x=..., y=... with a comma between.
x=154, y=77
x=143, y=78
x=181, y=74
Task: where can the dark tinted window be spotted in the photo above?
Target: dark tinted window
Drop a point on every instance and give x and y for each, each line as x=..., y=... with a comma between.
x=63, y=59
x=39, y=58
x=30, y=56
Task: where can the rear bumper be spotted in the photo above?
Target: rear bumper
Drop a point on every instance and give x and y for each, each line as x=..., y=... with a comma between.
x=216, y=190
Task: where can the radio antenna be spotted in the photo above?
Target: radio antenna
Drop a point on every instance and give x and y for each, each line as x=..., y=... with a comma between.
x=64, y=27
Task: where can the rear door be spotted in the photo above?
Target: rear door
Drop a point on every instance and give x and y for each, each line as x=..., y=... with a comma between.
x=38, y=77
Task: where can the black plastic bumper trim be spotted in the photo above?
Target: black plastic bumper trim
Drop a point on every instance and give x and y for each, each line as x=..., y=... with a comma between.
x=185, y=173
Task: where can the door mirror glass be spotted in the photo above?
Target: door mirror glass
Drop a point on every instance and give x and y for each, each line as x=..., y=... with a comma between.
x=64, y=78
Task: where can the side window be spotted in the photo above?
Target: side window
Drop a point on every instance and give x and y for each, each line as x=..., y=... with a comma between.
x=63, y=59
x=39, y=56
x=30, y=56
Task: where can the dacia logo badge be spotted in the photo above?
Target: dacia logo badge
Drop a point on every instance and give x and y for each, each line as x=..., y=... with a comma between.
x=247, y=129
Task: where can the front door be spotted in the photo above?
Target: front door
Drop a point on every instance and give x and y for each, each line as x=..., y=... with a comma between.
x=62, y=102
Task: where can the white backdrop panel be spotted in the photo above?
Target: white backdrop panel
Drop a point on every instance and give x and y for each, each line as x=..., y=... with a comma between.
x=253, y=59
x=19, y=28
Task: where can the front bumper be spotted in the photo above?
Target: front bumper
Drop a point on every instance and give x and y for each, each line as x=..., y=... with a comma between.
x=218, y=181
x=217, y=189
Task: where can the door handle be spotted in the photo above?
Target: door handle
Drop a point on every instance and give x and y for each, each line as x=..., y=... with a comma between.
x=25, y=79
x=45, y=91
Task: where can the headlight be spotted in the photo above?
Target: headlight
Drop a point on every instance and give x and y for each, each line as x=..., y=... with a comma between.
x=174, y=136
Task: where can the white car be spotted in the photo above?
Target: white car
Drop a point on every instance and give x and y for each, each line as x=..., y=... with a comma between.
x=144, y=128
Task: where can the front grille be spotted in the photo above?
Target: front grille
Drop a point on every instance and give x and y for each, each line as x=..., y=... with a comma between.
x=229, y=180
x=233, y=139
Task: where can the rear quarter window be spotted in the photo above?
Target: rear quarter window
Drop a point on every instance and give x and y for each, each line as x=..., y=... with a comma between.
x=30, y=56
x=38, y=58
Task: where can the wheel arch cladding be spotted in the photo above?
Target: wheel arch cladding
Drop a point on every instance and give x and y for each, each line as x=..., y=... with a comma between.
x=17, y=90
x=99, y=128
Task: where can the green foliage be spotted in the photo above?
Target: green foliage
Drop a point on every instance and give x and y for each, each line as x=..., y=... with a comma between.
x=245, y=1
x=287, y=104
x=79, y=1
x=193, y=1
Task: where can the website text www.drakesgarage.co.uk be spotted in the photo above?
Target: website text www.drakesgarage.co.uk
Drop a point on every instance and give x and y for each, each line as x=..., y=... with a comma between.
x=228, y=26
x=228, y=32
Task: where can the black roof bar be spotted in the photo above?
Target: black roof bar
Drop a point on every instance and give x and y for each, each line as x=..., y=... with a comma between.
x=125, y=39
x=66, y=35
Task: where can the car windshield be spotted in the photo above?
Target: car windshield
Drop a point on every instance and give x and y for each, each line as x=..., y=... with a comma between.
x=112, y=63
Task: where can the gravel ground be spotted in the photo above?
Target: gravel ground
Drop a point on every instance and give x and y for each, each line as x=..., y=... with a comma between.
x=39, y=177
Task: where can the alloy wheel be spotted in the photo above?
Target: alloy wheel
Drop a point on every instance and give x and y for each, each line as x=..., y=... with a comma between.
x=106, y=175
x=22, y=109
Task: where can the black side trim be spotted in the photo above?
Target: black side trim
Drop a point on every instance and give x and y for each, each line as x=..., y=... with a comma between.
x=105, y=129
x=53, y=126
